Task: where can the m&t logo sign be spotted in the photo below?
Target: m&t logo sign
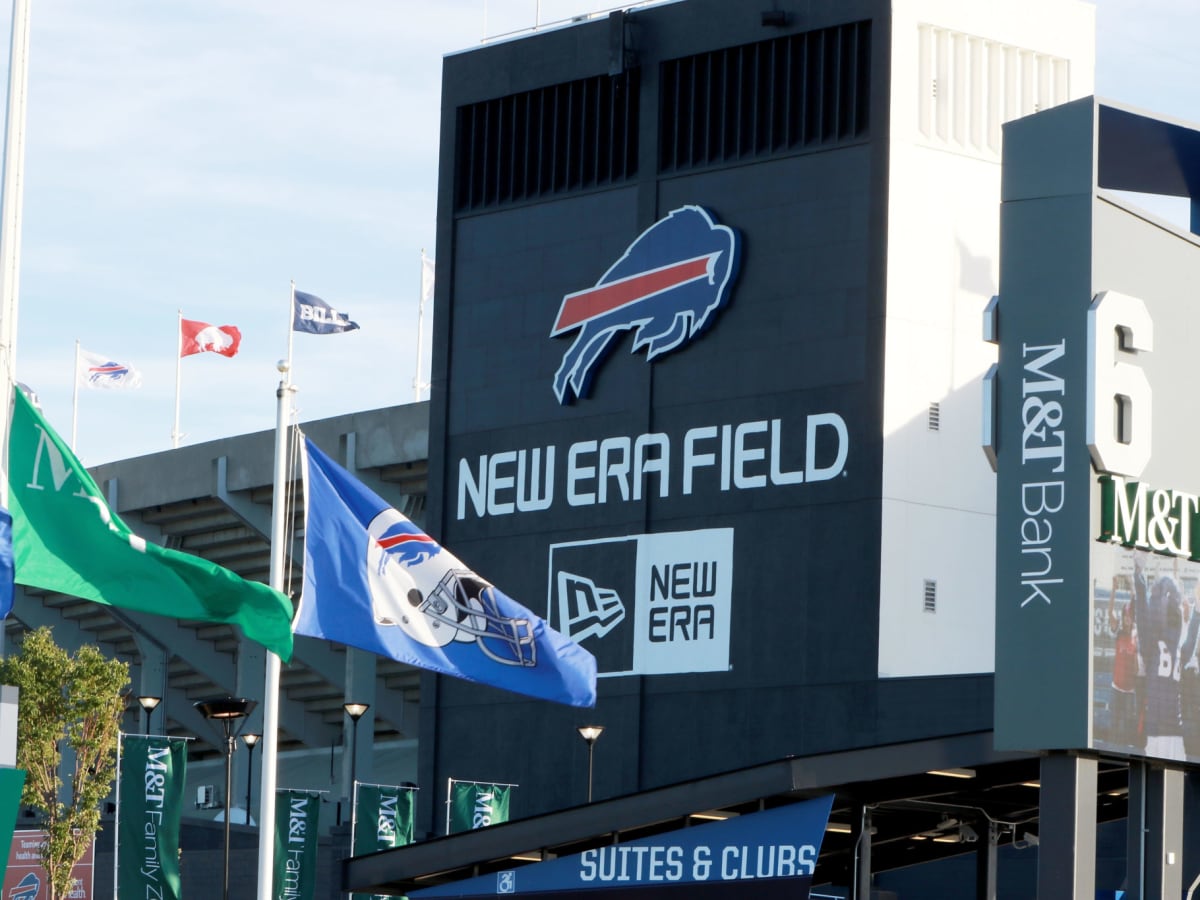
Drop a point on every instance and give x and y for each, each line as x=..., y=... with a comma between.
x=1160, y=520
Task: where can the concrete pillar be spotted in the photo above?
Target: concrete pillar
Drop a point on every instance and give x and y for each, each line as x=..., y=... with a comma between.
x=248, y=682
x=360, y=688
x=152, y=682
x=1067, y=832
x=861, y=835
x=1163, y=859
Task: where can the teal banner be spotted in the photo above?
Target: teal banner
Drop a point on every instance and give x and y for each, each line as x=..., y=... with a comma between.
x=383, y=818
x=12, y=783
x=297, y=815
x=476, y=805
x=150, y=779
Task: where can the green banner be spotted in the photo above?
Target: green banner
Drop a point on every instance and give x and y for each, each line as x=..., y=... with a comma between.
x=150, y=781
x=476, y=805
x=12, y=783
x=297, y=815
x=383, y=818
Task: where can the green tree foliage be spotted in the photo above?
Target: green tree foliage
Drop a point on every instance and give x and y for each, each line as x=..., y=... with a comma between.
x=66, y=700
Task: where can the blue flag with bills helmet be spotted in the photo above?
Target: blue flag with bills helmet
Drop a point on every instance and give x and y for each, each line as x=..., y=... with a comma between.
x=313, y=315
x=375, y=581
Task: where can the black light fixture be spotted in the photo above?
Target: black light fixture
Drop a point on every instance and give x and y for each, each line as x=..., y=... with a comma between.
x=251, y=740
x=355, y=711
x=227, y=711
x=590, y=733
x=149, y=704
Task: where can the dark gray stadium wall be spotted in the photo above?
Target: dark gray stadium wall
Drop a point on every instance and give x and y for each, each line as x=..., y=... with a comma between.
x=801, y=336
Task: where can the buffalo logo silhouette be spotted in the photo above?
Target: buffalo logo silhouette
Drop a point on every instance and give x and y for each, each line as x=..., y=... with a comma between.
x=667, y=287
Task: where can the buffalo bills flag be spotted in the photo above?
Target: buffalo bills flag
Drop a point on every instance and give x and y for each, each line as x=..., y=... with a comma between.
x=375, y=581
x=313, y=315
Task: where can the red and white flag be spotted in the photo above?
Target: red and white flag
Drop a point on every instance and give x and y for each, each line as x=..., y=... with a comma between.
x=200, y=337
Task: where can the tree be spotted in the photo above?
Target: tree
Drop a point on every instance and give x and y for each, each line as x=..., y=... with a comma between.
x=74, y=700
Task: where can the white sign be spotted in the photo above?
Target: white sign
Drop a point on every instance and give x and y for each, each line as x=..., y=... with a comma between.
x=667, y=612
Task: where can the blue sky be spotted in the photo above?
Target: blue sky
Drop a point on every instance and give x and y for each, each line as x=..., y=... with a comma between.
x=197, y=156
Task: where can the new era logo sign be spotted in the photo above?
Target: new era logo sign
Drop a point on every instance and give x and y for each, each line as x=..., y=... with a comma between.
x=587, y=609
x=646, y=604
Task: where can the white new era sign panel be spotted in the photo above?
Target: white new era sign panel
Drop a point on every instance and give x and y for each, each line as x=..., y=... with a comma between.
x=648, y=604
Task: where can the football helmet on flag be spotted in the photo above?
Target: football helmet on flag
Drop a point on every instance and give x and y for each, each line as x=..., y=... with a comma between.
x=434, y=599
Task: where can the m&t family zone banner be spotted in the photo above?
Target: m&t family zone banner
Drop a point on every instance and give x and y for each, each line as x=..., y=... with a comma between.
x=297, y=816
x=383, y=818
x=475, y=804
x=150, y=779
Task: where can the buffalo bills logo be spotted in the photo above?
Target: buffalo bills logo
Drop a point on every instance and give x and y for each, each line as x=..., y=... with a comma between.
x=400, y=540
x=668, y=286
x=110, y=371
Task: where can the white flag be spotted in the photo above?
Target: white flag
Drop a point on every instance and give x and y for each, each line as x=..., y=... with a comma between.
x=95, y=371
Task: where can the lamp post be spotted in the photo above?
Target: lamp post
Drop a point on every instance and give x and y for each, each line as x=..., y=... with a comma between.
x=148, y=705
x=250, y=739
x=355, y=712
x=590, y=733
x=226, y=710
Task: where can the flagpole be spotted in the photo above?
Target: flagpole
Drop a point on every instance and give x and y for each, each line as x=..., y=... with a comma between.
x=291, y=322
x=178, y=374
x=420, y=324
x=10, y=220
x=270, y=738
x=75, y=400
x=117, y=819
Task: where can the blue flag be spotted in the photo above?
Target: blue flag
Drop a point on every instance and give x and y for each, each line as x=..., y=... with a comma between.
x=313, y=315
x=375, y=581
x=6, y=563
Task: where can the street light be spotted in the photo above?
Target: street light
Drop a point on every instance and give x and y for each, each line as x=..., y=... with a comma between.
x=355, y=712
x=590, y=733
x=250, y=739
x=148, y=705
x=226, y=710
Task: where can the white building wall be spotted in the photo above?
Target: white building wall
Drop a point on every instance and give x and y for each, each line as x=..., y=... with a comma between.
x=959, y=69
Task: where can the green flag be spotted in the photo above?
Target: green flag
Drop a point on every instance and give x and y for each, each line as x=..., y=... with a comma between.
x=296, y=817
x=66, y=539
x=150, y=780
x=476, y=805
x=383, y=818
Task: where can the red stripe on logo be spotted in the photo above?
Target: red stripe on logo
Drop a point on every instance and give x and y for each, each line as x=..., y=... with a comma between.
x=395, y=539
x=583, y=305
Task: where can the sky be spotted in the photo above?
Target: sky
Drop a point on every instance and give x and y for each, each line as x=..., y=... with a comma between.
x=197, y=157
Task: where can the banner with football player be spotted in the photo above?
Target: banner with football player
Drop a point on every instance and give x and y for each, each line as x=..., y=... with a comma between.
x=375, y=581
x=151, y=772
x=475, y=804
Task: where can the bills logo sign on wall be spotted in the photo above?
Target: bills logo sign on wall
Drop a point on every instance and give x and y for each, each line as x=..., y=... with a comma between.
x=646, y=604
x=669, y=286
